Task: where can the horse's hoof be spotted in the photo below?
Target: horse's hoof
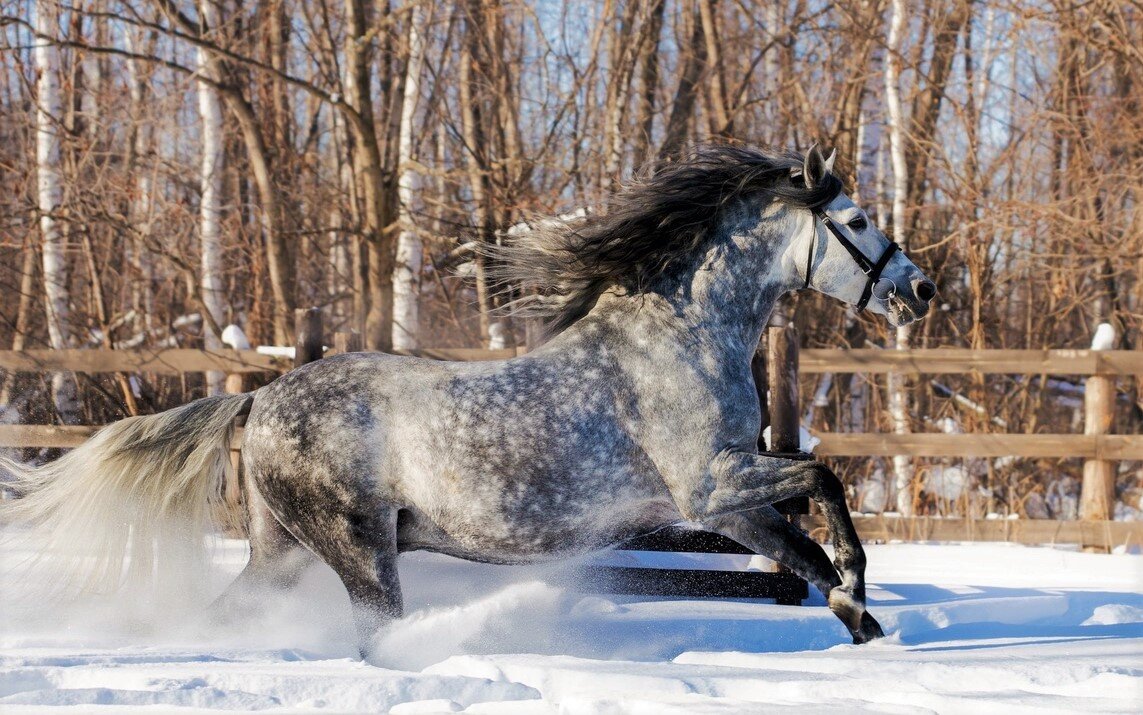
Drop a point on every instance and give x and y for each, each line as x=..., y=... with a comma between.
x=869, y=630
x=862, y=626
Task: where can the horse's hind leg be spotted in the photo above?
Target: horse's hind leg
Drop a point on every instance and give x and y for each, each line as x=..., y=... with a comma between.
x=359, y=543
x=277, y=561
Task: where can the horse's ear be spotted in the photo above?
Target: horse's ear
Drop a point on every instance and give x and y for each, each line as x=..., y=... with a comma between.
x=816, y=166
x=830, y=160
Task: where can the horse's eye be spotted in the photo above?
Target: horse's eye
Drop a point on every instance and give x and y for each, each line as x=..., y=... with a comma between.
x=858, y=224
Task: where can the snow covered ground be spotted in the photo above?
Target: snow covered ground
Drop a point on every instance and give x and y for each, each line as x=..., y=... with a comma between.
x=973, y=628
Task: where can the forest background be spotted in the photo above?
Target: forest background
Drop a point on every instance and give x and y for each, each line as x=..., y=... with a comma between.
x=169, y=168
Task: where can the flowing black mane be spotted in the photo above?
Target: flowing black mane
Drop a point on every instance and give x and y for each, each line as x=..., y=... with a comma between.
x=651, y=227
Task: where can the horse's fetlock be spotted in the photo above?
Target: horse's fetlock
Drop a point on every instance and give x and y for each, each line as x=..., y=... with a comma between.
x=850, y=561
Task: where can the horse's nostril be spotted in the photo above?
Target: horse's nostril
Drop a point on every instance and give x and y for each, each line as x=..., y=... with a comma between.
x=926, y=290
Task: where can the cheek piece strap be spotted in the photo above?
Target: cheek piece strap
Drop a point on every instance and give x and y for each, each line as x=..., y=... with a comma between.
x=869, y=268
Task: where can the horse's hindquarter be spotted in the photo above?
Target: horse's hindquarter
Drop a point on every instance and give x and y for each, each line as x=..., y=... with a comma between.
x=500, y=461
x=316, y=443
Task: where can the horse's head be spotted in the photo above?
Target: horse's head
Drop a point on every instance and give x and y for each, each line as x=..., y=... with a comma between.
x=842, y=254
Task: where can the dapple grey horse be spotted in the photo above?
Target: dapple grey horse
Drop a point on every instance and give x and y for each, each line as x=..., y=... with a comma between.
x=639, y=411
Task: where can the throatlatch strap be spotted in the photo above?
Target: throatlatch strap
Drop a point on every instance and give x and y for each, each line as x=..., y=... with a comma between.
x=810, y=259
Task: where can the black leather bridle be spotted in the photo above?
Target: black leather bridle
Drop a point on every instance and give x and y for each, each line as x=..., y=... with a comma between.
x=869, y=268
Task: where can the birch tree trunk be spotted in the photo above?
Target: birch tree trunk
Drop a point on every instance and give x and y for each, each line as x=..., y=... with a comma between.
x=210, y=209
x=20, y=335
x=407, y=271
x=771, y=64
x=341, y=283
x=141, y=210
x=49, y=195
x=716, y=92
x=898, y=398
x=278, y=261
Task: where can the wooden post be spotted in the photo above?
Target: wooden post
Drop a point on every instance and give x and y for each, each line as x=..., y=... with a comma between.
x=782, y=370
x=762, y=387
x=232, y=488
x=236, y=384
x=307, y=325
x=785, y=418
x=347, y=341
x=1097, y=499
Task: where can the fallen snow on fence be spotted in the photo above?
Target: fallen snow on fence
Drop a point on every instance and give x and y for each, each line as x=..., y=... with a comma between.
x=974, y=628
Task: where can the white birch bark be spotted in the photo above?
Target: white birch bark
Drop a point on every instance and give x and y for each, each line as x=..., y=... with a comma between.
x=770, y=63
x=143, y=206
x=898, y=398
x=49, y=196
x=859, y=159
x=407, y=270
x=210, y=210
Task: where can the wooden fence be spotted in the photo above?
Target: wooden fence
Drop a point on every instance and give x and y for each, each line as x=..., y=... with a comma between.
x=1099, y=448
x=1107, y=363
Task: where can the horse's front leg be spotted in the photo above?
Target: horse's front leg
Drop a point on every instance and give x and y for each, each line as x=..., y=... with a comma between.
x=743, y=482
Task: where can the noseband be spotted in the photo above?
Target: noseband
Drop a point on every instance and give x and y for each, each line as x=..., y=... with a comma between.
x=869, y=268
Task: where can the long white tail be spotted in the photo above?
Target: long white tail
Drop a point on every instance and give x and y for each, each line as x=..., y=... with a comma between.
x=143, y=487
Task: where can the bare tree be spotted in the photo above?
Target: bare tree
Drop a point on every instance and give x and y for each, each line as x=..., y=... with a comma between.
x=50, y=194
x=898, y=400
x=210, y=208
x=406, y=278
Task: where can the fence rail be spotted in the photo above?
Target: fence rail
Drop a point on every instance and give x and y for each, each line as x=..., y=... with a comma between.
x=174, y=361
x=1061, y=446
x=951, y=361
x=932, y=361
x=919, y=361
x=1105, y=535
x=1058, y=446
x=171, y=361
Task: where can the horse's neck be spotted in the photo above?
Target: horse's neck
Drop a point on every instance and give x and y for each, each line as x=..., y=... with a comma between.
x=732, y=290
x=723, y=302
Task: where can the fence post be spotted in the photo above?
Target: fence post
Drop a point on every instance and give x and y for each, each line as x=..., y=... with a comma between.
x=782, y=369
x=1097, y=498
x=236, y=384
x=785, y=419
x=347, y=341
x=307, y=326
x=236, y=340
